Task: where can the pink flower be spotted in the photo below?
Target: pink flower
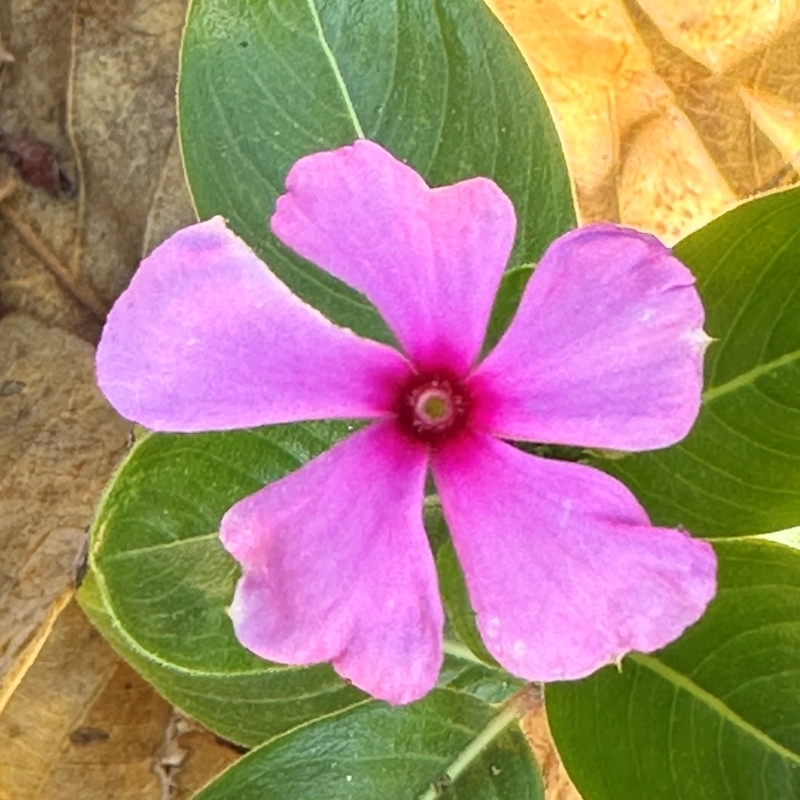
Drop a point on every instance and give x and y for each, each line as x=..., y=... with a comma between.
x=564, y=570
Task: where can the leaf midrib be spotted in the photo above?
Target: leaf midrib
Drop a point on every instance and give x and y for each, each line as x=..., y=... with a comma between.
x=337, y=74
x=714, y=703
x=750, y=377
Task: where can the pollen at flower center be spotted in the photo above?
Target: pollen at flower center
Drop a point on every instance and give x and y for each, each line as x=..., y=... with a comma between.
x=432, y=407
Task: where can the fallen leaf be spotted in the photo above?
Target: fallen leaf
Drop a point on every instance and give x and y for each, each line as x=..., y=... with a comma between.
x=778, y=119
x=100, y=88
x=721, y=33
x=655, y=101
x=83, y=724
x=59, y=443
x=668, y=183
x=557, y=785
x=37, y=164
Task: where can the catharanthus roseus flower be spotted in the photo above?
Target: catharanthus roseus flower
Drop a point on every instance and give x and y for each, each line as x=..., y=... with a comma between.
x=564, y=570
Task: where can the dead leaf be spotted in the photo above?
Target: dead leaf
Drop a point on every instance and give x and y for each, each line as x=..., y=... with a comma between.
x=37, y=164
x=655, y=101
x=721, y=33
x=84, y=724
x=668, y=183
x=115, y=70
x=557, y=785
x=59, y=443
x=778, y=119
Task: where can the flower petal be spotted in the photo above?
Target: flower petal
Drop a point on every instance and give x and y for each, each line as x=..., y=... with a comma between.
x=606, y=349
x=563, y=569
x=429, y=259
x=207, y=338
x=337, y=567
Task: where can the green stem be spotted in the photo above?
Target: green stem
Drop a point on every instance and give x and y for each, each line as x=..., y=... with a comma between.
x=460, y=763
x=461, y=651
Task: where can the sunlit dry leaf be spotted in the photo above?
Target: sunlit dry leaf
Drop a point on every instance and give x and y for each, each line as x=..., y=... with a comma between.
x=557, y=785
x=619, y=74
x=719, y=34
x=59, y=442
x=584, y=54
x=84, y=724
x=668, y=183
x=711, y=103
x=62, y=740
x=778, y=119
x=594, y=38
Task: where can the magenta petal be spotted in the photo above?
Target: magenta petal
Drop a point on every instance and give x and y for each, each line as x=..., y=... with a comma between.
x=606, y=349
x=337, y=567
x=207, y=338
x=429, y=259
x=564, y=571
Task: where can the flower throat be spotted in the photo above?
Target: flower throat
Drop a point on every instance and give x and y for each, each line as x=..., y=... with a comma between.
x=432, y=407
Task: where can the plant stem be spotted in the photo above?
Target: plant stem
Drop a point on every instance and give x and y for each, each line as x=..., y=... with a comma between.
x=458, y=650
x=506, y=716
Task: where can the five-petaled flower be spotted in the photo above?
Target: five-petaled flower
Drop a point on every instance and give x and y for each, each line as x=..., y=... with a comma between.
x=564, y=570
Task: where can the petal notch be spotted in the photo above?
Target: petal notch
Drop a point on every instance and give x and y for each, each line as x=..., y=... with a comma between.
x=337, y=567
x=207, y=338
x=606, y=349
x=563, y=569
x=430, y=260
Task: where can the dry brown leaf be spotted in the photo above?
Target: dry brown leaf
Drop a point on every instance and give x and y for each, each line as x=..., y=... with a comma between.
x=654, y=101
x=719, y=34
x=668, y=182
x=59, y=442
x=84, y=724
x=557, y=785
x=120, y=85
x=778, y=119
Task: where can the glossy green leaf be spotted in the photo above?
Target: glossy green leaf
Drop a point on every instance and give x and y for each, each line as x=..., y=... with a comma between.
x=506, y=303
x=463, y=672
x=715, y=715
x=376, y=751
x=160, y=580
x=456, y=601
x=738, y=471
x=440, y=84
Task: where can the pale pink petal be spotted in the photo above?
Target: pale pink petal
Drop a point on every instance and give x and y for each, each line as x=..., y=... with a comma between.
x=337, y=567
x=429, y=259
x=207, y=338
x=563, y=569
x=606, y=349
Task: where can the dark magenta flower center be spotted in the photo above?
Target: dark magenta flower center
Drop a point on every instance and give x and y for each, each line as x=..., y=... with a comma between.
x=433, y=407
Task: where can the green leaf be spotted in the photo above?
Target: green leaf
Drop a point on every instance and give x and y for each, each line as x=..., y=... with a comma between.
x=714, y=715
x=466, y=674
x=506, y=303
x=738, y=471
x=376, y=751
x=160, y=580
x=456, y=601
x=440, y=84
